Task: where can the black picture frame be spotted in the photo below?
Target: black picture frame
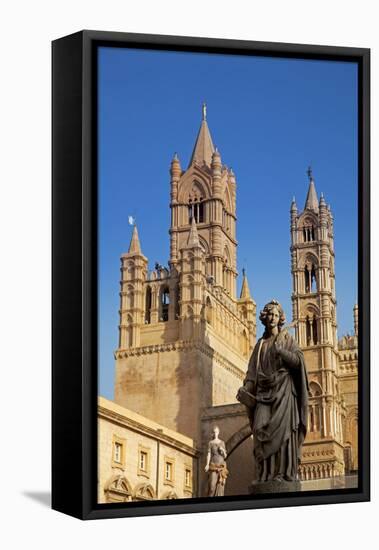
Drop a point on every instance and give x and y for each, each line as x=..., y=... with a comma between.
x=74, y=272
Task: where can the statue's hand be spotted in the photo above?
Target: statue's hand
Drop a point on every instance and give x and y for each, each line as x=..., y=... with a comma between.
x=206, y=468
x=248, y=386
x=278, y=348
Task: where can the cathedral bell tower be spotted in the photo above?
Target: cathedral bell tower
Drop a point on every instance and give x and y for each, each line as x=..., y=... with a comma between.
x=314, y=309
x=206, y=192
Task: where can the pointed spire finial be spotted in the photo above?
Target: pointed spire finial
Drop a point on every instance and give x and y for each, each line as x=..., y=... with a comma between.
x=204, y=111
x=204, y=148
x=193, y=237
x=134, y=247
x=245, y=290
x=311, y=200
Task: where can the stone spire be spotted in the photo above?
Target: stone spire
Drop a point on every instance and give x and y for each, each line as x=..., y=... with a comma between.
x=204, y=148
x=134, y=247
x=312, y=201
x=245, y=291
x=193, y=237
x=355, y=312
x=293, y=205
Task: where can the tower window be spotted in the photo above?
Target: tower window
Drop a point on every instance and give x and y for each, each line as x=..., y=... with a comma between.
x=148, y=306
x=196, y=210
x=311, y=329
x=309, y=233
x=308, y=330
x=314, y=331
x=310, y=279
x=165, y=302
x=190, y=211
x=313, y=279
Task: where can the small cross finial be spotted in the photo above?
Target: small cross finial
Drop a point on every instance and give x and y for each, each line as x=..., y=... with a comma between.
x=204, y=111
x=243, y=271
x=309, y=173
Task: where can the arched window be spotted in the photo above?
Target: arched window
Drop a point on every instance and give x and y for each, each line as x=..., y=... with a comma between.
x=313, y=279
x=196, y=210
x=177, y=302
x=315, y=331
x=306, y=279
x=208, y=311
x=129, y=332
x=190, y=211
x=311, y=329
x=315, y=411
x=148, y=306
x=310, y=279
x=165, y=302
x=309, y=232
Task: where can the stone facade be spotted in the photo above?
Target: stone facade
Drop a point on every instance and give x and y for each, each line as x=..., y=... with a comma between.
x=140, y=459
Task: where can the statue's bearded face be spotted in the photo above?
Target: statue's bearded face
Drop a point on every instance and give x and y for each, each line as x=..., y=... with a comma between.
x=273, y=317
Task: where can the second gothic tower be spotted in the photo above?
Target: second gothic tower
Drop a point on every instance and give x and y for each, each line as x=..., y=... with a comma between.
x=312, y=267
x=206, y=192
x=314, y=310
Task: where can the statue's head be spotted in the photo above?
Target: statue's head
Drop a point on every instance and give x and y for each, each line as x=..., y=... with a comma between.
x=215, y=432
x=272, y=315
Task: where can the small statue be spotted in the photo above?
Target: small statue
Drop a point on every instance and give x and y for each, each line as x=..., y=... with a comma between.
x=275, y=394
x=216, y=465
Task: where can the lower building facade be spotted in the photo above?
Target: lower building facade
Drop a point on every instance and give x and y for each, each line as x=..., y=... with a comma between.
x=139, y=459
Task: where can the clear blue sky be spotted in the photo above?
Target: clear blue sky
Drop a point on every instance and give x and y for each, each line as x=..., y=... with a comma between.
x=270, y=118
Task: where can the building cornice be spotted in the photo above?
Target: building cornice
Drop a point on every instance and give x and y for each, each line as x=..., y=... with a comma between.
x=126, y=422
x=182, y=345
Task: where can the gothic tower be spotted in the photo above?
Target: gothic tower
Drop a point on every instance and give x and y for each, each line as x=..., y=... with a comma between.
x=133, y=275
x=206, y=192
x=314, y=309
x=185, y=337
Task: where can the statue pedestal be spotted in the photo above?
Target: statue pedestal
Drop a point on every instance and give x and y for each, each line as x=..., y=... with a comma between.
x=273, y=486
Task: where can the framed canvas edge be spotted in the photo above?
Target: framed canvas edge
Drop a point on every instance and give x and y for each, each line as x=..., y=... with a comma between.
x=87, y=508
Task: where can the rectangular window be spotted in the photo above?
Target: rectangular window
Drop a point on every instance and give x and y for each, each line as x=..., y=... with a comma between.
x=143, y=461
x=168, y=471
x=188, y=478
x=117, y=452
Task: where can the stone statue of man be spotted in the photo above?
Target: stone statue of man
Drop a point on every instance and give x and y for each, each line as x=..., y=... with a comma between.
x=216, y=465
x=275, y=393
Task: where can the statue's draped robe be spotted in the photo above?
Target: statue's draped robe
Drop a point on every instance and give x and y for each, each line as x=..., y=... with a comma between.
x=279, y=418
x=217, y=469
